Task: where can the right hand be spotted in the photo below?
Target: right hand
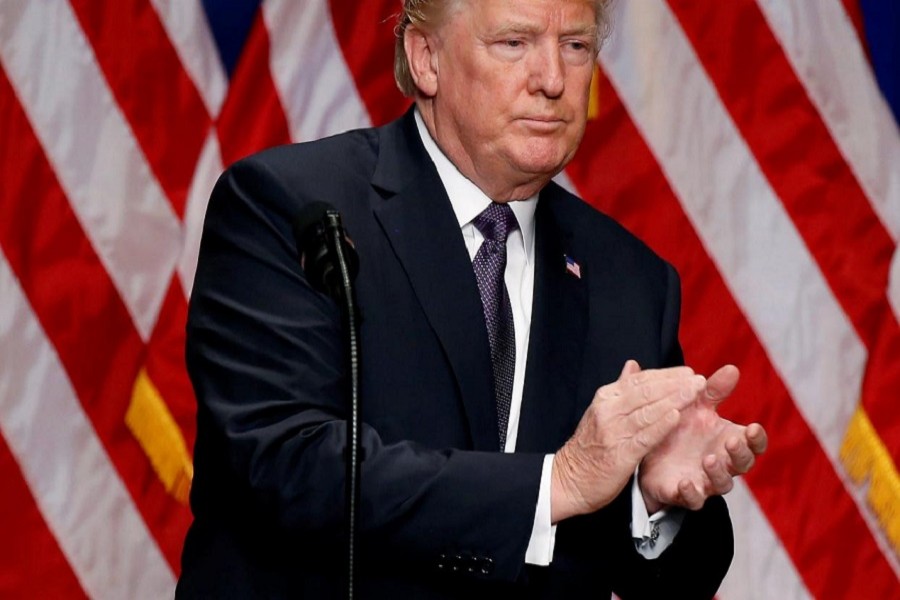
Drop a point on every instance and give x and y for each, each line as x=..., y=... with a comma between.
x=625, y=421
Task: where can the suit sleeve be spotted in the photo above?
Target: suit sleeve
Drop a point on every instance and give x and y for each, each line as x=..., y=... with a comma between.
x=268, y=366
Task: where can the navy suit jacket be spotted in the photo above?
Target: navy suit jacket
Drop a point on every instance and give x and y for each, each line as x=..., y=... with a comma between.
x=444, y=514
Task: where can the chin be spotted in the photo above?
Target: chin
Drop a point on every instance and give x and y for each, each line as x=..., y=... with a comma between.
x=543, y=157
x=542, y=166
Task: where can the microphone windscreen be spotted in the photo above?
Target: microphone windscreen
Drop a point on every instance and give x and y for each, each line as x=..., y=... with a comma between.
x=309, y=217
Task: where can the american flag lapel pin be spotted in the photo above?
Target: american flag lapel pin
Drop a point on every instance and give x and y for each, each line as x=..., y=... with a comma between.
x=572, y=267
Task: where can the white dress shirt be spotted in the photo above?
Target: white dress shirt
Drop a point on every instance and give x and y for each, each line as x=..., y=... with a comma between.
x=652, y=534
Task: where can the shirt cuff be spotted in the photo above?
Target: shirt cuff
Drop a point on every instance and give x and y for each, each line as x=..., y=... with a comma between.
x=543, y=532
x=652, y=533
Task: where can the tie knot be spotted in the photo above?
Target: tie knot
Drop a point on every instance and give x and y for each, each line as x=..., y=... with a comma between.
x=496, y=222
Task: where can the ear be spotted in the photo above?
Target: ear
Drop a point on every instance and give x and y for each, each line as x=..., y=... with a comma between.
x=422, y=57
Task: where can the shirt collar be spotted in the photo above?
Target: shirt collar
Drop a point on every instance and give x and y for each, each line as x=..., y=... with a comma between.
x=466, y=198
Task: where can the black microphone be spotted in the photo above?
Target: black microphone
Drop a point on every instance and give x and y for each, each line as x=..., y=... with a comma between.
x=320, y=241
x=330, y=262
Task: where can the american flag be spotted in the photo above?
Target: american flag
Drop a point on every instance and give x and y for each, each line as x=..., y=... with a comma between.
x=750, y=142
x=573, y=267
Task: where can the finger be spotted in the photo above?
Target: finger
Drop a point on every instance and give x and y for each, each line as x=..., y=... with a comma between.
x=691, y=497
x=645, y=411
x=757, y=438
x=721, y=384
x=643, y=376
x=631, y=367
x=740, y=455
x=623, y=398
x=680, y=392
x=721, y=480
x=645, y=415
x=614, y=389
x=651, y=436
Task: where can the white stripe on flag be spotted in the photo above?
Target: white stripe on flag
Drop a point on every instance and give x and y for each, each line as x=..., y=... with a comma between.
x=761, y=567
x=741, y=222
x=822, y=45
x=563, y=180
x=74, y=484
x=188, y=30
x=119, y=203
x=313, y=81
x=209, y=167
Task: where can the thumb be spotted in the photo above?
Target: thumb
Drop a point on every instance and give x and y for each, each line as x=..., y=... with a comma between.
x=721, y=383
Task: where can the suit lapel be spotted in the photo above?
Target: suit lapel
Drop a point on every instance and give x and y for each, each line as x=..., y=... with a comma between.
x=415, y=215
x=558, y=325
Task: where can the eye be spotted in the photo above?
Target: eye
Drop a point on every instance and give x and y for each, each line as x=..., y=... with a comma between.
x=577, y=51
x=509, y=49
x=578, y=45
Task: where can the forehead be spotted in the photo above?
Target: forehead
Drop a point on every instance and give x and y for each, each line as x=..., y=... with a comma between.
x=562, y=13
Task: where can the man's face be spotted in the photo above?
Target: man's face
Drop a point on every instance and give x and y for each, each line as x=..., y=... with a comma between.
x=513, y=82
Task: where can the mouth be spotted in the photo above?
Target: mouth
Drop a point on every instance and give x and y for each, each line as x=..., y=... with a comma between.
x=543, y=123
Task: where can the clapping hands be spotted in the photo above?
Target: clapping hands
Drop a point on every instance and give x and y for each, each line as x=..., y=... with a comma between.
x=666, y=421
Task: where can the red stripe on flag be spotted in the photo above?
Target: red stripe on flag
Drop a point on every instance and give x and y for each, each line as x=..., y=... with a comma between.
x=365, y=32
x=155, y=93
x=252, y=116
x=809, y=174
x=80, y=310
x=166, y=364
x=795, y=484
x=31, y=563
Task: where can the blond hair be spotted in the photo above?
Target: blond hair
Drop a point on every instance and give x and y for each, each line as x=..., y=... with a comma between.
x=427, y=14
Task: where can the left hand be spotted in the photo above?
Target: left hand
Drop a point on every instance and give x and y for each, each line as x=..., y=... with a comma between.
x=704, y=454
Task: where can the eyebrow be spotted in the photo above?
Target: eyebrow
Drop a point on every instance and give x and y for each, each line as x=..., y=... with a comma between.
x=525, y=28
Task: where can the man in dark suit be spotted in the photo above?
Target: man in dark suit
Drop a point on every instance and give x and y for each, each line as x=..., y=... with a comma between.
x=473, y=342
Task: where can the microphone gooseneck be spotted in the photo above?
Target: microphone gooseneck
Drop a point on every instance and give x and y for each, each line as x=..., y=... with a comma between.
x=331, y=264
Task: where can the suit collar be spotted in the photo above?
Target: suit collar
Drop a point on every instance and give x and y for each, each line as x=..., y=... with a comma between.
x=402, y=159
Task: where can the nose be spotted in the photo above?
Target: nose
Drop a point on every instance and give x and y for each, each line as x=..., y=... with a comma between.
x=547, y=72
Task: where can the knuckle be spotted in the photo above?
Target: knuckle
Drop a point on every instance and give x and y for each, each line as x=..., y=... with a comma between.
x=607, y=391
x=645, y=416
x=642, y=441
x=748, y=464
x=683, y=371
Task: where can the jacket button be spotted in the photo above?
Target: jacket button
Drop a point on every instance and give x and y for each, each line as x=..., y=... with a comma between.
x=487, y=566
x=471, y=563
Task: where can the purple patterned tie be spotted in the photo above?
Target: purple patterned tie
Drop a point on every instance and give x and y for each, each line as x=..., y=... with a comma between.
x=495, y=223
